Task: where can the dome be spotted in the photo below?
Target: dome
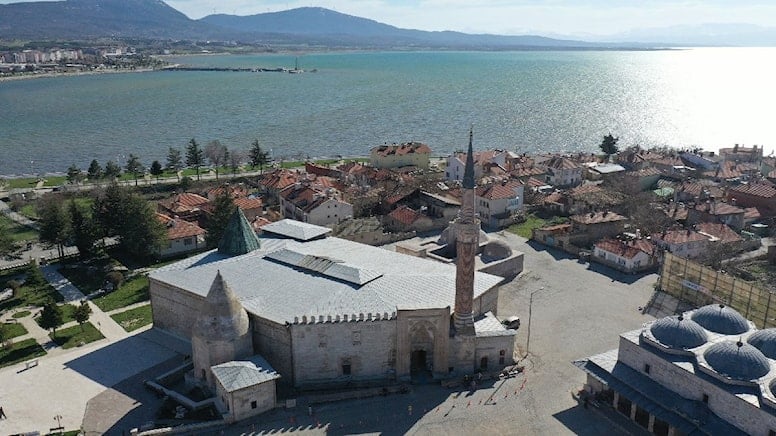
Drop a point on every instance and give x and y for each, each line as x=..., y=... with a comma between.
x=737, y=360
x=719, y=318
x=496, y=250
x=678, y=332
x=765, y=341
x=773, y=388
x=221, y=317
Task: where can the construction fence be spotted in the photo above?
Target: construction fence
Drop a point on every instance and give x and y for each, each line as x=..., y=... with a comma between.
x=698, y=285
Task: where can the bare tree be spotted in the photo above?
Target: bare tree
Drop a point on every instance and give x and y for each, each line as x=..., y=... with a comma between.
x=236, y=158
x=216, y=153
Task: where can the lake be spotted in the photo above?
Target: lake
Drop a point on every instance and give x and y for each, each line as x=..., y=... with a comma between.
x=528, y=101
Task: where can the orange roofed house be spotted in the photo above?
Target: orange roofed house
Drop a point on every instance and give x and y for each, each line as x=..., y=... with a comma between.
x=394, y=156
x=627, y=256
x=182, y=236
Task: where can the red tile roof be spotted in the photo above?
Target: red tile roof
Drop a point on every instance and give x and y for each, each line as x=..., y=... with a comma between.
x=679, y=236
x=499, y=191
x=720, y=231
x=278, y=179
x=402, y=149
x=719, y=208
x=405, y=215
x=178, y=228
x=758, y=190
x=249, y=203
x=598, y=218
x=626, y=249
x=562, y=163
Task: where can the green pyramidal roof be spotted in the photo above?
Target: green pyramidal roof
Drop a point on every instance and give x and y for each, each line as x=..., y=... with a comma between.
x=239, y=237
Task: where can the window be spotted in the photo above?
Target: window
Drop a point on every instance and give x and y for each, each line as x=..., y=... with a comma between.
x=187, y=241
x=705, y=399
x=646, y=368
x=346, y=368
x=501, y=356
x=254, y=404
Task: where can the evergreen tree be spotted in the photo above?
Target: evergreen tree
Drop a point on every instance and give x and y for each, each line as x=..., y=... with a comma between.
x=112, y=170
x=74, y=175
x=6, y=243
x=194, y=155
x=109, y=209
x=132, y=220
x=174, y=162
x=34, y=276
x=134, y=166
x=85, y=231
x=95, y=171
x=609, y=145
x=257, y=156
x=223, y=208
x=82, y=313
x=51, y=316
x=54, y=223
x=217, y=154
x=156, y=170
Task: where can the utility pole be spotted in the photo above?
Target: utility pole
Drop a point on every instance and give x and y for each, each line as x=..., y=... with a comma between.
x=530, y=311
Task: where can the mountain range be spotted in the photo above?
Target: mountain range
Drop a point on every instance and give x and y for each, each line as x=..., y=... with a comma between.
x=309, y=26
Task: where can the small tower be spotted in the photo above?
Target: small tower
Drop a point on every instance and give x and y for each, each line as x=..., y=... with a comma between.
x=467, y=228
x=221, y=332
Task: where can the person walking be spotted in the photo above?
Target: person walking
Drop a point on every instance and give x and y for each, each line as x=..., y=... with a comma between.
x=2, y=413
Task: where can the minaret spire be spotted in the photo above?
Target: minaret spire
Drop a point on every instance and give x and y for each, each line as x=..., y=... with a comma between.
x=468, y=172
x=466, y=241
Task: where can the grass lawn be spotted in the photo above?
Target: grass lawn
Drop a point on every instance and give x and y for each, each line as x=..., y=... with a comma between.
x=532, y=222
x=29, y=211
x=87, y=278
x=26, y=182
x=68, y=310
x=76, y=335
x=20, y=351
x=18, y=232
x=135, y=318
x=21, y=314
x=29, y=296
x=134, y=290
x=13, y=330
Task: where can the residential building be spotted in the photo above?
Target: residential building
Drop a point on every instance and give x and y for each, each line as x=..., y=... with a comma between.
x=562, y=171
x=760, y=195
x=182, y=236
x=716, y=212
x=483, y=161
x=739, y=153
x=684, y=243
x=394, y=156
x=303, y=203
x=630, y=256
x=404, y=219
x=498, y=203
x=598, y=225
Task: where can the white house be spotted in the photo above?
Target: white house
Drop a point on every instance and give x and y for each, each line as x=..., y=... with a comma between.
x=498, y=202
x=627, y=256
x=482, y=160
x=684, y=243
x=562, y=171
x=182, y=236
x=306, y=204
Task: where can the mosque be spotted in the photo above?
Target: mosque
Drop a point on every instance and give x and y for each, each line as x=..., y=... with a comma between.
x=301, y=308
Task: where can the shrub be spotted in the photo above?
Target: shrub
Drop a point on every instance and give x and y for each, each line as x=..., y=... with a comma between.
x=115, y=278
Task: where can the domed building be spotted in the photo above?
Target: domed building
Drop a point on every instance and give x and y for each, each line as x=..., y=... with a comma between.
x=706, y=371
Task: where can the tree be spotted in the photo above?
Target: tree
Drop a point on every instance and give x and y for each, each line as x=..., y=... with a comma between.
x=6, y=243
x=132, y=220
x=51, y=316
x=112, y=170
x=134, y=166
x=609, y=145
x=174, y=162
x=257, y=156
x=85, y=231
x=54, y=223
x=34, y=277
x=95, y=170
x=74, y=175
x=194, y=156
x=235, y=160
x=81, y=313
x=223, y=208
x=156, y=170
x=217, y=154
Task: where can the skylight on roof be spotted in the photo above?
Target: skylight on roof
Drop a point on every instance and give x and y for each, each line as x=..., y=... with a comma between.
x=325, y=266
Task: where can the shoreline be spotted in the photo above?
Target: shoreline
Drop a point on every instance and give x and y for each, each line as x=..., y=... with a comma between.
x=49, y=75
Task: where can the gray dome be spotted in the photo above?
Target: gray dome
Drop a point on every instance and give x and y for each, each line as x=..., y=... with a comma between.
x=765, y=341
x=678, y=332
x=496, y=250
x=773, y=387
x=719, y=318
x=737, y=360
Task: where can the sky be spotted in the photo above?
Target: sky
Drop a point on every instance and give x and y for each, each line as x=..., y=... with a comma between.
x=513, y=17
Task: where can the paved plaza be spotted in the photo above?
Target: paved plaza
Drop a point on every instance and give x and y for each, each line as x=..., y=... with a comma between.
x=577, y=310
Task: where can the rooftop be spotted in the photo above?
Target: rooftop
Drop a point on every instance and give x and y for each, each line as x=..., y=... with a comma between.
x=240, y=374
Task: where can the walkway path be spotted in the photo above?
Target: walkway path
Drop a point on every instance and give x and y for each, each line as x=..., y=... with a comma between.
x=62, y=284
x=17, y=217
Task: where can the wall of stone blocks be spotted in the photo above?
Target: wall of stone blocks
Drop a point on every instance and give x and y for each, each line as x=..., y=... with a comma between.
x=320, y=350
x=240, y=401
x=491, y=347
x=486, y=302
x=273, y=342
x=175, y=310
x=727, y=406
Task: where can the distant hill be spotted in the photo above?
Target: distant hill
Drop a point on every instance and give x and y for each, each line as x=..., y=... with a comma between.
x=710, y=34
x=83, y=19
x=320, y=25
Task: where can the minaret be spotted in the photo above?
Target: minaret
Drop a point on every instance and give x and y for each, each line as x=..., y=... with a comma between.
x=467, y=228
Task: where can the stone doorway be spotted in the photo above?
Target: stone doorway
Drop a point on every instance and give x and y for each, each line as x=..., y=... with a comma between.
x=419, y=368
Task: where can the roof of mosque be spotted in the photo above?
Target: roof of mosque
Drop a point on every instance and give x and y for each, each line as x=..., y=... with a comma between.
x=678, y=332
x=737, y=360
x=238, y=237
x=765, y=341
x=239, y=374
x=722, y=319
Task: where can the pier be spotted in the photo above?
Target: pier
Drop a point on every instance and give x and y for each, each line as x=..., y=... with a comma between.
x=232, y=69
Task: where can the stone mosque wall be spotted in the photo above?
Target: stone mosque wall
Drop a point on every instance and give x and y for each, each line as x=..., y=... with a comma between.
x=175, y=310
x=273, y=342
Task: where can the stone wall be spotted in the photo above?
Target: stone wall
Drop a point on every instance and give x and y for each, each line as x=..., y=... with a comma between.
x=423, y=330
x=491, y=348
x=175, y=310
x=241, y=401
x=724, y=404
x=321, y=351
x=273, y=342
x=486, y=302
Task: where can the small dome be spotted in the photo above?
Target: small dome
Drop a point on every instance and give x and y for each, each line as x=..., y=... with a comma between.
x=765, y=341
x=496, y=250
x=678, y=332
x=719, y=318
x=737, y=360
x=773, y=387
